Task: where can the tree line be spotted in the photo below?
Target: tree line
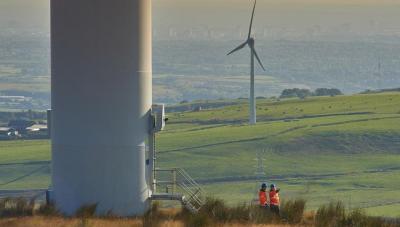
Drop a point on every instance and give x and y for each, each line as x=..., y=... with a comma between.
x=303, y=93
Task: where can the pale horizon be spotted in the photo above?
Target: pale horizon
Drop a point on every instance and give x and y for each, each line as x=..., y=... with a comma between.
x=360, y=15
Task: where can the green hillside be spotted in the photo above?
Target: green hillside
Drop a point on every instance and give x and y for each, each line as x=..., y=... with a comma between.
x=321, y=149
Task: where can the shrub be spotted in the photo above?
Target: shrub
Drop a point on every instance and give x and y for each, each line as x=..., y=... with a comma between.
x=334, y=214
x=153, y=217
x=293, y=210
x=48, y=210
x=358, y=218
x=86, y=211
x=10, y=207
x=262, y=215
x=198, y=220
x=330, y=215
x=327, y=92
x=355, y=218
x=295, y=92
x=239, y=213
x=215, y=209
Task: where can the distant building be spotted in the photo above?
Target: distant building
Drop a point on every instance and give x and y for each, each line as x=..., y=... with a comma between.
x=37, y=131
x=4, y=131
x=37, y=128
x=24, y=129
x=20, y=125
x=14, y=98
x=197, y=109
x=7, y=133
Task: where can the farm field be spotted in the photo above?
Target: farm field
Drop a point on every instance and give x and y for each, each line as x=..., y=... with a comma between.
x=322, y=149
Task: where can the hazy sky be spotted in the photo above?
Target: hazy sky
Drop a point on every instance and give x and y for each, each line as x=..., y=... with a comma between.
x=276, y=12
x=25, y=12
x=231, y=13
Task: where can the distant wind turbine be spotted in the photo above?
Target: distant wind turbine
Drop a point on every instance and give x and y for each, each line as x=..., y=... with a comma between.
x=250, y=42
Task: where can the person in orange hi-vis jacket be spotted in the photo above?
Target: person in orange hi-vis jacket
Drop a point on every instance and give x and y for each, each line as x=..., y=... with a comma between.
x=262, y=195
x=274, y=202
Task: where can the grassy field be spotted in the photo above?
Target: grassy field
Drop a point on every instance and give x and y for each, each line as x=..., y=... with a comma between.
x=321, y=149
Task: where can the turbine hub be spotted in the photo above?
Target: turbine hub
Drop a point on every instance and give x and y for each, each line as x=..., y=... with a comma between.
x=251, y=41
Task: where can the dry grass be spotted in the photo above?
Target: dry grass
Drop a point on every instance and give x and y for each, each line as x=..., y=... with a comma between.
x=56, y=221
x=94, y=222
x=215, y=213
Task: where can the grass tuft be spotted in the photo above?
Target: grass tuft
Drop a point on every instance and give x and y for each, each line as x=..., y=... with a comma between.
x=293, y=210
x=330, y=215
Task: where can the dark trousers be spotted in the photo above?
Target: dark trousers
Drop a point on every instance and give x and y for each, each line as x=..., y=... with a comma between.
x=274, y=209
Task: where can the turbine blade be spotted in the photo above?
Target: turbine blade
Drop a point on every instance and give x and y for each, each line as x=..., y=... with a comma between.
x=258, y=59
x=251, y=21
x=238, y=48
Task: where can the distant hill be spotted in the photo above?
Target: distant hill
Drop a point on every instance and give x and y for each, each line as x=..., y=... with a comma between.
x=381, y=91
x=199, y=69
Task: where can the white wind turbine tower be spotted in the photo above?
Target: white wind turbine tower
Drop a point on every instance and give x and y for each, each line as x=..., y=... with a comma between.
x=250, y=42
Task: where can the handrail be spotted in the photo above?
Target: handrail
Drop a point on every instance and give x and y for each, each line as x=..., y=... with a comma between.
x=192, y=191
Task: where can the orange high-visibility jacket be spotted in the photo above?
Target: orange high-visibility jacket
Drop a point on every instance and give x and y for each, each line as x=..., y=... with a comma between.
x=274, y=197
x=262, y=196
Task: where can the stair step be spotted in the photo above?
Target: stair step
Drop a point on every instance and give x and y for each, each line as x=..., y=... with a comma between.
x=166, y=196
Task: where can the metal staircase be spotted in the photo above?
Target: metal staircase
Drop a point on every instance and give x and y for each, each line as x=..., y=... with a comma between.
x=176, y=184
x=173, y=183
